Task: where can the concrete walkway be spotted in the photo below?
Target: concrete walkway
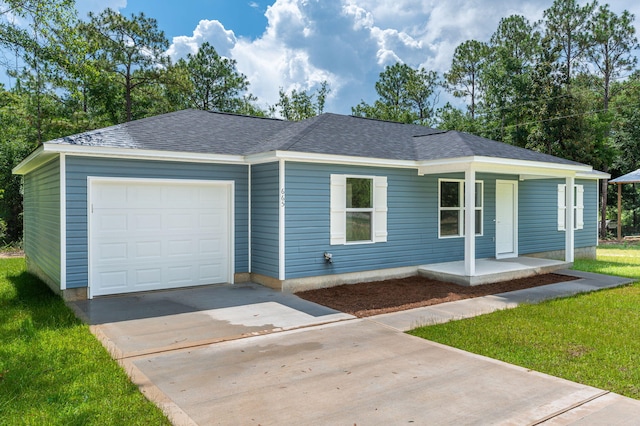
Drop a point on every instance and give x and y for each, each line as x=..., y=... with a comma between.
x=349, y=371
x=460, y=309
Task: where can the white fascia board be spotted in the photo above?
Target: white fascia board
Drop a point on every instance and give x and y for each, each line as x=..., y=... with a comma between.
x=34, y=160
x=594, y=174
x=523, y=168
x=506, y=165
x=261, y=158
x=455, y=165
x=146, y=154
x=343, y=159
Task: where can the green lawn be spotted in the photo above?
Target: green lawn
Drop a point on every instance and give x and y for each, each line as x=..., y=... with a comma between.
x=52, y=370
x=589, y=338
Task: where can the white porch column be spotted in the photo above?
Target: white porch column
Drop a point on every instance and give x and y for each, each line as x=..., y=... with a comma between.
x=470, y=222
x=569, y=236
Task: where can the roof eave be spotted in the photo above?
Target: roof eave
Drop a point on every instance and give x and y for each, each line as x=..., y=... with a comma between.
x=501, y=166
x=633, y=177
x=593, y=174
x=341, y=159
x=34, y=160
x=48, y=149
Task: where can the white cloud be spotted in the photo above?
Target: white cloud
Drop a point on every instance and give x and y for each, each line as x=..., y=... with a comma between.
x=207, y=31
x=348, y=42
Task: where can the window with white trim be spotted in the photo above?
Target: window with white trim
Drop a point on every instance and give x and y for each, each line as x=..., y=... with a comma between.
x=451, y=207
x=358, y=209
x=578, y=206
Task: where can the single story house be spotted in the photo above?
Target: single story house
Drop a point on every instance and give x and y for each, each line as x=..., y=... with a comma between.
x=195, y=197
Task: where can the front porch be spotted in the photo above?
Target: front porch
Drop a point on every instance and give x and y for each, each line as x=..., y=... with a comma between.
x=491, y=270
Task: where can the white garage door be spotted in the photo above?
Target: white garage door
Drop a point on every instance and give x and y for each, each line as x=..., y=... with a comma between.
x=152, y=234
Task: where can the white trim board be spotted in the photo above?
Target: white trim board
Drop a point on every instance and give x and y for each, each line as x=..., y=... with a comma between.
x=448, y=165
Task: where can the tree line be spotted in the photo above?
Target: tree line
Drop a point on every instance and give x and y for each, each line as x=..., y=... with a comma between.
x=567, y=85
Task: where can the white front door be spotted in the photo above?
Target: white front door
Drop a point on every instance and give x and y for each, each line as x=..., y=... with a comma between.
x=148, y=234
x=506, y=219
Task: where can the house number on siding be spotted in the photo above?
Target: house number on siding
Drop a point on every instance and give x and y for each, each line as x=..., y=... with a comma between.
x=282, y=197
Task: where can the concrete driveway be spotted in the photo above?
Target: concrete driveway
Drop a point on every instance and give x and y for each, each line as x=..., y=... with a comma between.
x=211, y=356
x=154, y=322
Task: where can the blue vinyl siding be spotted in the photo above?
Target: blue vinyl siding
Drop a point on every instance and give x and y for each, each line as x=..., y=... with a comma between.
x=412, y=222
x=42, y=218
x=79, y=168
x=265, y=219
x=538, y=216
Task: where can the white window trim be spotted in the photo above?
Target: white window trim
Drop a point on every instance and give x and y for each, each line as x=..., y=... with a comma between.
x=339, y=210
x=578, y=207
x=460, y=209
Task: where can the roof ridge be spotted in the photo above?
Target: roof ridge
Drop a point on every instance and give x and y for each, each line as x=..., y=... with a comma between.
x=234, y=114
x=306, y=130
x=435, y=132
x=383, y=121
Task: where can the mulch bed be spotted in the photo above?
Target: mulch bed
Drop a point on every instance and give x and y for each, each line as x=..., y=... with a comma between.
x=379, y=297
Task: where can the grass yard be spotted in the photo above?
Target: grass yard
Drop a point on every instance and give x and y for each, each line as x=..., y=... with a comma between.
x=590, y=338
x=52, y=370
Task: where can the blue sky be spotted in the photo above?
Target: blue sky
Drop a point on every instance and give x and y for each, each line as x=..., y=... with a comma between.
x=246, y=19
x=296, y=44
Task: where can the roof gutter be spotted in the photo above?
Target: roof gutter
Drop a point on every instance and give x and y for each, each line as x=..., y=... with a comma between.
x=47, y=151
x=504, y=166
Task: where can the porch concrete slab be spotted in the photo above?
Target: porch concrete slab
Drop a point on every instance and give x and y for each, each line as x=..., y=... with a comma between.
x=491, y=270
x=437, y=314
x=132, y=325
x=353, y=372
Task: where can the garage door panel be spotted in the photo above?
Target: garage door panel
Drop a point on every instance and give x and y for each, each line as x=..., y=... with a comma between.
x=110, y=252
x=209, y=272
x=180, y=221
x=110, y=195
x=209, y=221
x=213, y=199
x=145, y=250
x=109, y=222
x=180, y=248
x=148, y=277
x=147, y=235
x=145, y=221
x=114, y=280
x=144, y=196
x=210, y=247
x=181, y=275
x=181, y=196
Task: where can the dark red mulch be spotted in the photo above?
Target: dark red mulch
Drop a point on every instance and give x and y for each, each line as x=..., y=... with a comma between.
x=379, y=297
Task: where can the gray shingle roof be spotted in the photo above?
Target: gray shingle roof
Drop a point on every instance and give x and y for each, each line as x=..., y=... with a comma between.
x=350, y=136
x=454, y=144
x=183, y=131
x=219, y=133
x=632, y=177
